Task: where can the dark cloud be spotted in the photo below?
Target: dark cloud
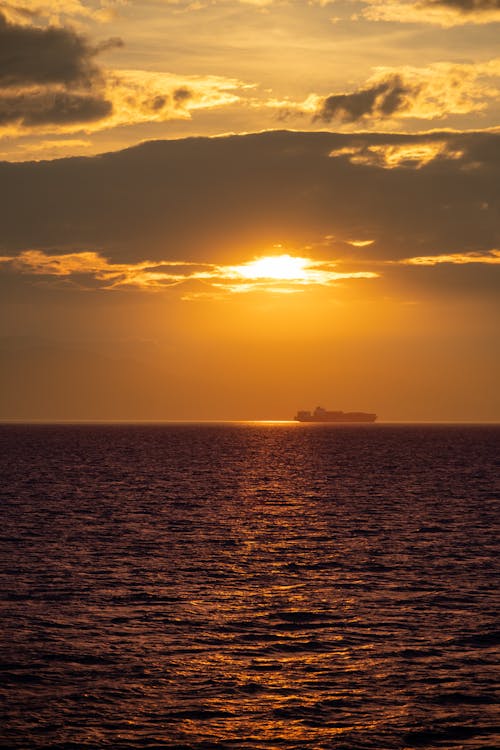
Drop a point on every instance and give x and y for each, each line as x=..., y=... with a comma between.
x=179, y=97
x=182, y=95
x=57, y=108
x=48, y=76
x=214, y=199
x=383, y=99
x=111, y=43
x=31, y=56
x=158, y=103
x=465, y=6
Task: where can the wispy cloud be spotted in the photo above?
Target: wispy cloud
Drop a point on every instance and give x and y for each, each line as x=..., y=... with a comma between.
x=143, y=96
x=490, y=258
x=58, y=11
x=445, y=13
x=397, y=155
x=360, y=243
x=273, y=273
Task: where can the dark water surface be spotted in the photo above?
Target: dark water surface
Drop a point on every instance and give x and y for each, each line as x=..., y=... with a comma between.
x=249, y=586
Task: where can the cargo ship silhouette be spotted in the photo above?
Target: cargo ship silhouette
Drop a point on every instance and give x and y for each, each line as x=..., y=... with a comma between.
x=322, y=415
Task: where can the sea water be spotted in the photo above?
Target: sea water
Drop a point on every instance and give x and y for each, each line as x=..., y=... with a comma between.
x=270, y=586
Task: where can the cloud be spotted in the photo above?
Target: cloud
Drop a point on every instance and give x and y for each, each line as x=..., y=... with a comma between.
x=460, y=259
x=275, y=273
x=383, y=99
x=48, y=77
x=55, y=108
x=431, y=92
x=32, y=55
x=392, y=156
x=146, y=96
x=467, y=6
x=50, y=83
x=56, y=11
x=445, y=13
x=125, y=98
x=214, y=200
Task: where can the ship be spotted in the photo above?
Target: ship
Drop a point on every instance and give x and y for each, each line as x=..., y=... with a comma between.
x=322, y=415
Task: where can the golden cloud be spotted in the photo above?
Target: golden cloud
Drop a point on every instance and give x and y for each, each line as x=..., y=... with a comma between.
x=55, y=11
x=143, y=96
x=427, y=93
x=102, y=11
x=445, y=13
x=50, y=83
x=127, y=97
x=272, y=273
x=391, y=156
x=490, y=258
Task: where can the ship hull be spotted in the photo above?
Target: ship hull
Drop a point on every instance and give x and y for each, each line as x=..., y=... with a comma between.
x=325, y=416
x=336, y=420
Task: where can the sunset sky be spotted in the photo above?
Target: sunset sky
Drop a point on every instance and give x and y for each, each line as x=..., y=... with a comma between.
x=234, y=210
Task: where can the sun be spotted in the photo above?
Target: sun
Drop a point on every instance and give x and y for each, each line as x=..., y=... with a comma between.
x=286, y=274
x=276, y=267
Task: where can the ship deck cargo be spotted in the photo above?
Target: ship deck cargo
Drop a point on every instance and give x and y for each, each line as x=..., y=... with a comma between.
x=323, y=415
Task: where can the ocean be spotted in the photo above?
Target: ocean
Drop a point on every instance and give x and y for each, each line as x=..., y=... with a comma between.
x=249, y=585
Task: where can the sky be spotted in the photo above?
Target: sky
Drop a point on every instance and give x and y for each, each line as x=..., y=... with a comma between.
x=234, y=210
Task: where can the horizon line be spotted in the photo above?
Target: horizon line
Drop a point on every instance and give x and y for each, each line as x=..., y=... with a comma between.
x=8, y=421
